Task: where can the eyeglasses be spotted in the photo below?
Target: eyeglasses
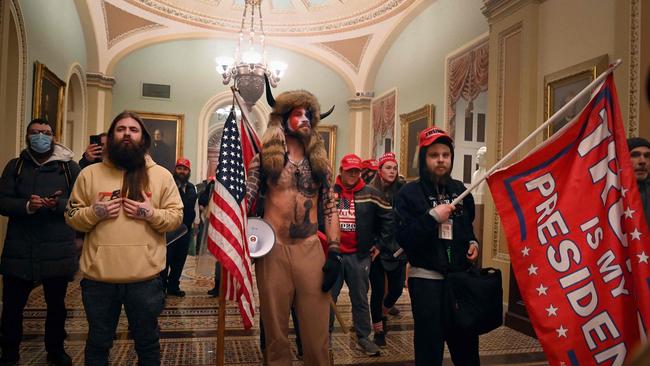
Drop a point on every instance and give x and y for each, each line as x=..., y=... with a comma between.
x=33, y=132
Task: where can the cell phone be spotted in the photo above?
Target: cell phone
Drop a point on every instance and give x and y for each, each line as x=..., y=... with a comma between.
x=95, y=139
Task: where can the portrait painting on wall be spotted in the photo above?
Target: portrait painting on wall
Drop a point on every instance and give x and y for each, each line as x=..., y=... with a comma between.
x=166, y=132
x=411, y=125
x=48, y=98
x=562, y=86
x=328, y=134
x=383, y=110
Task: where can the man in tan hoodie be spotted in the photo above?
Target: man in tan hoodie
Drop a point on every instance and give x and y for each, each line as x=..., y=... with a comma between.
x=124, y=205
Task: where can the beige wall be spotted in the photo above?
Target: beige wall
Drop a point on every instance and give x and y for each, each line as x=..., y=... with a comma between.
x=532, y=39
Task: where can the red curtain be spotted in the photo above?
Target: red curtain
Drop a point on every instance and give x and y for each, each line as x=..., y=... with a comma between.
x=467, y=78
x=383, y=119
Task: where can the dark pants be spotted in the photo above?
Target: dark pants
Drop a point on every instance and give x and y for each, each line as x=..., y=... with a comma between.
x=143, y=303
x=378, y=276
x=430, y=333
x=14, y=297
x=176, y=255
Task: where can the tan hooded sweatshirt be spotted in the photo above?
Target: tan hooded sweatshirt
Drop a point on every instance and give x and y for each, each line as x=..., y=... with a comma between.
x=123, y=249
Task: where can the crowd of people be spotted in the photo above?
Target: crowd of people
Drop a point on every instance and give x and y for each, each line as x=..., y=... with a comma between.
x=110, y=217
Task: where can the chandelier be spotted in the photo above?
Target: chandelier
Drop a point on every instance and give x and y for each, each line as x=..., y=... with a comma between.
x=248, y=68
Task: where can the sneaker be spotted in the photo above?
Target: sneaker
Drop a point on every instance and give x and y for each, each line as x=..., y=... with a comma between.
x=213, y=292
x=59, y=359
x=394, y=311
x=177, y=293
x=380, y=339
x=367, y=347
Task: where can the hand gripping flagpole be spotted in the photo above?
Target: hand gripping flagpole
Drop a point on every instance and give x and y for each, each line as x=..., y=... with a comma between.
x=544, y=125
x=539, y=129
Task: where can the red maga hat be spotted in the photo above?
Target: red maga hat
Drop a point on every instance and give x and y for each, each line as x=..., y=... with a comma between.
x=434, y=134
x=389, y=156
x=183, y=162
x=370, y=164
x=351, y=161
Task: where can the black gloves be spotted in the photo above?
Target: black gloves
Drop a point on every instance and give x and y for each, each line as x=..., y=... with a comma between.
x=332, y=268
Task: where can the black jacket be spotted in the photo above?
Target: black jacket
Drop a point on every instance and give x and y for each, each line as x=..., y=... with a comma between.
x=189, y=202
x=373, y=219
x=388, y=249
x=417, y=231
x=644, y=191
x=38, y=245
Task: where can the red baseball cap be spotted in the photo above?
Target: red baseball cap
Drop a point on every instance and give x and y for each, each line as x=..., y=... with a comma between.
x=184, y=162
x=370, y=164
x=389, y=156
x=433, y=134
x=351, y=161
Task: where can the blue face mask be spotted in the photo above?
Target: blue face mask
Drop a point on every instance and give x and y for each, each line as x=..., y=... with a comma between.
x=40, y=143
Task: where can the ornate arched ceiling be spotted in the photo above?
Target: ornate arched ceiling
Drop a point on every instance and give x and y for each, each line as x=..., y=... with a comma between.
x=346, y=35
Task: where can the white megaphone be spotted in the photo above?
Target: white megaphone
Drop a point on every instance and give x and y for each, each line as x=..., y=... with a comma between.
x=260, y=236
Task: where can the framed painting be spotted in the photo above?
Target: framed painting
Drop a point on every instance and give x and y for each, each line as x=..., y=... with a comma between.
x=328, y=134
x=412, y=124
x=383, y=110
x=560, y=87
x=166, y=132
x=48, y=98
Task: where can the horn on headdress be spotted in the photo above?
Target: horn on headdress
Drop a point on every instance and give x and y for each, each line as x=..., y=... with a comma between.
x=269, y=95
x=324, y=115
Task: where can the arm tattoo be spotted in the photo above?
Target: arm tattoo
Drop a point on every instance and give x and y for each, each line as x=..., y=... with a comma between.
x=142, y=212
x=100, y=210
x=329, y=198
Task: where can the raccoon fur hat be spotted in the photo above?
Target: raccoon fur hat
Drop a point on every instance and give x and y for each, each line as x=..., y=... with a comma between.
x=274, y=147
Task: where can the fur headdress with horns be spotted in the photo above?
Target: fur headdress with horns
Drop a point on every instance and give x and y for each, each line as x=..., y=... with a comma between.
x=274, y=147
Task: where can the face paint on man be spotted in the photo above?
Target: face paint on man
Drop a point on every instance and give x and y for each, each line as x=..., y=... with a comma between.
x=299, y=122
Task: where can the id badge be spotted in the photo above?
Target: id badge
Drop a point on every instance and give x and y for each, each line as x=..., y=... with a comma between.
x=446, y=230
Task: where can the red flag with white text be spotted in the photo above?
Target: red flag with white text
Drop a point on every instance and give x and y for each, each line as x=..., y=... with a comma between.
x=578, y=240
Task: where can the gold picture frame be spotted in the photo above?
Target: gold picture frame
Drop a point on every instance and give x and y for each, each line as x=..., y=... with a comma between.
x=48, y=98
x=328, y=134
x=412, y=124
x=561, y=86
x=166, y=130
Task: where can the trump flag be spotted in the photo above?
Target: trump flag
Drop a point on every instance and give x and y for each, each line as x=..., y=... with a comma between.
x=578, y=241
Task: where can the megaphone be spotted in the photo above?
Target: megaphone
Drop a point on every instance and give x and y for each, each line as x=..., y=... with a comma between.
x=260, y=236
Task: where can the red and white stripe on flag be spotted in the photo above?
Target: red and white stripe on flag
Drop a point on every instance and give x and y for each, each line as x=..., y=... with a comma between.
x=227, y=221
x=578, y=239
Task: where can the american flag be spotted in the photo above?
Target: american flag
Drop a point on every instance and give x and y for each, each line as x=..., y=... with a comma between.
x=227, y=229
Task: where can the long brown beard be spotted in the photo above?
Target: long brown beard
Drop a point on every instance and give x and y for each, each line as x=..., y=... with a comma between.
x=131, y=158
x=440, y=180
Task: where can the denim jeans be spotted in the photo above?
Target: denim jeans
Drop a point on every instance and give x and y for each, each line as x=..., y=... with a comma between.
x=355, y=272
x=143, y=302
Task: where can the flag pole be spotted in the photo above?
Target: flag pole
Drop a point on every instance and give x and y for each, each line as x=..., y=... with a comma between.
x=221, y=321
x=539, y=129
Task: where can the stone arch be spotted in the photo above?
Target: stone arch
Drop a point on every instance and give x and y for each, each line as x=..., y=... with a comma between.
x=75, y=121
x=259, y=116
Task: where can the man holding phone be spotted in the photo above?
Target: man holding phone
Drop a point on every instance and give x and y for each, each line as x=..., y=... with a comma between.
x=94, y=151
x=39, y=246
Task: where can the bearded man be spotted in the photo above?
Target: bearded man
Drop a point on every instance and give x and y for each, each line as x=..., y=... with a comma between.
x=438, y=238
x=124, y=204
x=177, y=251
x=294, y=177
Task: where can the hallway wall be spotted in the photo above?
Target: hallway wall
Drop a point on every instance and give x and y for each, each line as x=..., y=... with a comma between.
x=189, y=67
x=56, y=41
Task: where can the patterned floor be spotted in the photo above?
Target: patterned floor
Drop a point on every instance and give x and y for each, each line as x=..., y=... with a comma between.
x=189, y=328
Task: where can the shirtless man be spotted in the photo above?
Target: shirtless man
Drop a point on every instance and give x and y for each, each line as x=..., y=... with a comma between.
x=295, y=177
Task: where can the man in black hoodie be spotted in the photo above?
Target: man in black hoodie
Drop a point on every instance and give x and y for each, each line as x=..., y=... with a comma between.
x=438, y=238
